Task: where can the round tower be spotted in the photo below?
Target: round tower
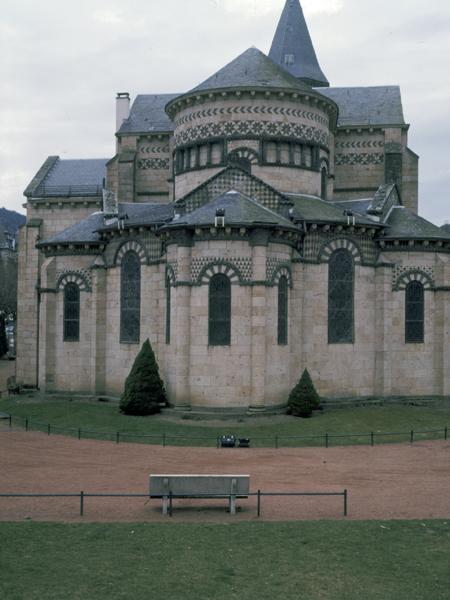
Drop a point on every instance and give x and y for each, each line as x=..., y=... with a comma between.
x=255, y=115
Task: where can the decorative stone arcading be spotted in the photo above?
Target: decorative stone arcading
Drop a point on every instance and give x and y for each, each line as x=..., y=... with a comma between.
x=81, y=277
x=239, y=270
x=154, y=164
x=401, y=276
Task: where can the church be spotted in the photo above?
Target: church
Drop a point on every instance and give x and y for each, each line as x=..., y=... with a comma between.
x=256, y=225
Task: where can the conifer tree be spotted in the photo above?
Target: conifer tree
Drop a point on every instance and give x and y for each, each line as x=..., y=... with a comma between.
x=304, y=398
x=144, y=390
x=3, y=338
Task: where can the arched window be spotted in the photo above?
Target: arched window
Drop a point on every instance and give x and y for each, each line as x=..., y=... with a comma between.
x=341, y=298
x=168, y=309
x=324, y=183
x=414, y=313
x=219, y=331
x=71, y=313
x=282, y=311
x=130, y=298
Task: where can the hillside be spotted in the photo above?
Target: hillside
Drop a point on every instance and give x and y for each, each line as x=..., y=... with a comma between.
x=10, y=220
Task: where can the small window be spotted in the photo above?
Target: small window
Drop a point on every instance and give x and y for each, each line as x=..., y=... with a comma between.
x=414, y=313
x=282, y=311
x=289, y=59
x=130, y=298
x=219, y=331
x=168, y=309
x=340, y=298
x=71, y=313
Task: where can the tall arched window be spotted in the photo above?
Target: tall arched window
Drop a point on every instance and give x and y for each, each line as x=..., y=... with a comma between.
x=341, y=298
x=323, y=183
x=282, y=311
x=219, y=330
x=414, y=313
x=168, y=309
x=71, y=313
x=130, y=298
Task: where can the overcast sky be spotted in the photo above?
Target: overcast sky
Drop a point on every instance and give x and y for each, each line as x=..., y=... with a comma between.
x=62, y=63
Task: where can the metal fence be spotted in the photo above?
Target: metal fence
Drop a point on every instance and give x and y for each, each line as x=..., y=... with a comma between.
x=82, y=496
x=325, y=440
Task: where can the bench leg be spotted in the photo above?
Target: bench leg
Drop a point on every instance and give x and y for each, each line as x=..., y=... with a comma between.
x=233, y=497
x=165, y=503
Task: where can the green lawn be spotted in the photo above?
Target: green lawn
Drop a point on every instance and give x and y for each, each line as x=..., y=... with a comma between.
x=104, y=419
x=392, y=560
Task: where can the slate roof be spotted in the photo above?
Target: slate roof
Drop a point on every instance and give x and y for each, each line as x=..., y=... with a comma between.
x=88, y=230
x=148, y=114
x=404, y=224
x=252, y=69
x=58, y=177
x=381, y=105
x=239, y=208
x=292, y=39
x=316, y=210
x=83, y=232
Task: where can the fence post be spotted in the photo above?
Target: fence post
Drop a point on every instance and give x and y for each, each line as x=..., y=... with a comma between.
x=79, y=433
x=276, y=441
x=258, y=508
x=26, y=424
x=445, y=432
x=372, y=438
x=412, y=436
x=118, y=437
x=9, y=420
x=81, y=504
x=48, y=429
x=218, y=442
x=345, y=503
x=326, y=440
x=164, y=439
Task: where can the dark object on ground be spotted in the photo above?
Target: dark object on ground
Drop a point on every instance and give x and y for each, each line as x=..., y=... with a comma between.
x=14, y=386
x=3, y=338
x=244, y=442
x=144, y=390
x=227, y=441
x=304, y=398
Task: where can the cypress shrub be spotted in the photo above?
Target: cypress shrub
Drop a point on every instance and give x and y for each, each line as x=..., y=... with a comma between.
x=3, y=338
x=304, y=398
x=144, y=390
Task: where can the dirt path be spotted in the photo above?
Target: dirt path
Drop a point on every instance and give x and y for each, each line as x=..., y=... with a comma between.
x=384, y=482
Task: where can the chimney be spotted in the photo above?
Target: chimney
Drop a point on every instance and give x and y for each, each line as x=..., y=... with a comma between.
x=122, y=108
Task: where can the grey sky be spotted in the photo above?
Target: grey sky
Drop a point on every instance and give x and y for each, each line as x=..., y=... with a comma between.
x=63, y=61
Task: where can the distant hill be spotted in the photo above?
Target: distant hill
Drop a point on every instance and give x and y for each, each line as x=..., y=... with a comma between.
x=10, y=220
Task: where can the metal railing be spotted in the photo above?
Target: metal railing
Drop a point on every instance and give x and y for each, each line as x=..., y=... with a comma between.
x=259, y=495
x=275, y=441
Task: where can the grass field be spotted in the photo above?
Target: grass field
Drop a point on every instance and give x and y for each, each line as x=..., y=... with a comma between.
x=104, y=419
x=392, y=560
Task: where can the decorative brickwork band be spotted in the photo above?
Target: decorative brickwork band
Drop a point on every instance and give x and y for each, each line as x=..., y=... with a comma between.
x=135, y=247
x=81, y=278
x=337, y=244
x=360, y=144
x=252, y=130
x=154, y=164
x=404, y=275
x=284, y=111
x=154, y=150
x=359, y=159
x=214, y=266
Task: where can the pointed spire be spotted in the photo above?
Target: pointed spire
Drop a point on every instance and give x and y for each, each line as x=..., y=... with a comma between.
x=293, y=49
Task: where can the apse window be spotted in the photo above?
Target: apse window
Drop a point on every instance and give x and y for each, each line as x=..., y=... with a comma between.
x=219, y=326
x=414, y=313
x=71, y=313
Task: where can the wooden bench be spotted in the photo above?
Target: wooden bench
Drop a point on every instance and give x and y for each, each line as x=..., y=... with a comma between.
x=199, y=486
x=13, y=386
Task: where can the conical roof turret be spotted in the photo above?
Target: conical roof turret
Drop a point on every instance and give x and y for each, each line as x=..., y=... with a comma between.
x=293, y=49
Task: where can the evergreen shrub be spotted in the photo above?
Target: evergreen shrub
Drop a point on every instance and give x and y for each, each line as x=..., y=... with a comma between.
x=144, y=389
x=304, y=398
